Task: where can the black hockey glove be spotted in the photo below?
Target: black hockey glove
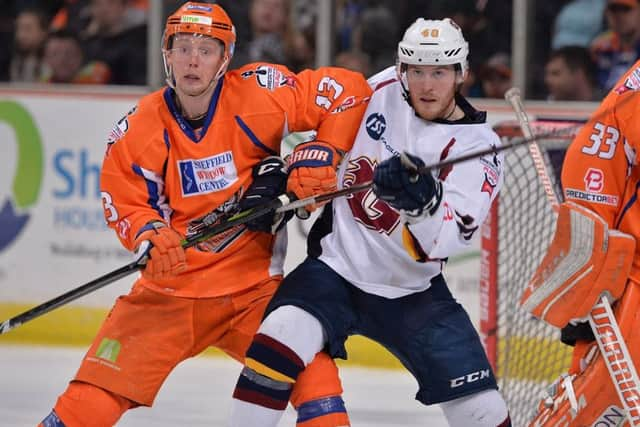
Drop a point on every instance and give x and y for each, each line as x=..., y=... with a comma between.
x=397, y=182
x=269, y=182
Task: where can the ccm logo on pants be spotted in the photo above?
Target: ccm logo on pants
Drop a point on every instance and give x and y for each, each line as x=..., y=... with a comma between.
x=469, y=378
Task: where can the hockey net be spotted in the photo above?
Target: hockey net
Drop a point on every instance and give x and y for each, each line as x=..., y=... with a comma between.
x=527, y=354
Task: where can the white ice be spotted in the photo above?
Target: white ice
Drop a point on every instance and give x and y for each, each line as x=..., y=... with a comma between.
x=198, y=392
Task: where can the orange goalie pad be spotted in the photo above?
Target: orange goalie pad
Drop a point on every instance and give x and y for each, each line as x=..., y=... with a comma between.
x=596, y=400
x=584, y=260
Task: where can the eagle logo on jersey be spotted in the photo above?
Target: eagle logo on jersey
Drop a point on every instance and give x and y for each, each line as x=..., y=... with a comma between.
x=366, y=208
x=222, y=240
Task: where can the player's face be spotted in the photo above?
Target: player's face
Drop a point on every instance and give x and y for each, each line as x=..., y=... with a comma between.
x=559, y=80
x=432, y=89
x=195, y=61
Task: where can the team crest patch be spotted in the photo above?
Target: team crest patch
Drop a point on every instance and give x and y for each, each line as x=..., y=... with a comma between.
x=490, y=181
x=207, y=175
x=269, y=77
x=631, y=83
x=220, y=241
x=120, y=129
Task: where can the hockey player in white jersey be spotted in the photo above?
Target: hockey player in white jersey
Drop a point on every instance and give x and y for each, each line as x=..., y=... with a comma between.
x=375, y=259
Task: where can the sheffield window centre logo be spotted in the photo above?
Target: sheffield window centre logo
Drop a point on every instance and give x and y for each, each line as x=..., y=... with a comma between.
x=27, y=180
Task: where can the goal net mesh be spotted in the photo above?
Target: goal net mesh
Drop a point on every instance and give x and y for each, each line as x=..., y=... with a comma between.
x=526, y=353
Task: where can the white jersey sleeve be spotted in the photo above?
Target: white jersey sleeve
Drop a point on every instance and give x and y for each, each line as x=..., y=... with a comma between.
x=468, y=191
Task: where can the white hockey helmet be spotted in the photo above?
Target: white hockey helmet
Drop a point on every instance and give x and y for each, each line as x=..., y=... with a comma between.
x=434, y=42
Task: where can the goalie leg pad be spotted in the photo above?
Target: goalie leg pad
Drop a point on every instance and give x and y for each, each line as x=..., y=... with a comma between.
x=596, y=401
x=585, y=260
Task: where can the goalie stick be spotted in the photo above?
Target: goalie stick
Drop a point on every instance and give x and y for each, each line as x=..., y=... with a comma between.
x=601, y=318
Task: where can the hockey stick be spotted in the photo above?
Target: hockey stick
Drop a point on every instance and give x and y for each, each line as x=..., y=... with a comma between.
x=513, y=97
x=281, y=204
x=604, y=325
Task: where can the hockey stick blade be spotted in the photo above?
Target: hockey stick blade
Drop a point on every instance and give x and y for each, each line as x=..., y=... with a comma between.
x=69, y=296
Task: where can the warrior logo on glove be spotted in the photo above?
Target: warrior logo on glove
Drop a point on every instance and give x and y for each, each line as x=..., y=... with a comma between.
x=312, y=171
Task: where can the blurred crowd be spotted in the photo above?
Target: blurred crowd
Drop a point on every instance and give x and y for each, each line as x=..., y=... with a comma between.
x=579, y=48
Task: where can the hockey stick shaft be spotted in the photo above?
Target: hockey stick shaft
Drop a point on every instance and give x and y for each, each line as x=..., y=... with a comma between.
x=513, y=97
x=604, y=325
x=279, y=205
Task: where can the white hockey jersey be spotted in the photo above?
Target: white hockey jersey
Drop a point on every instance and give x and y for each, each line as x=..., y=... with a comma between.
x=365, y=240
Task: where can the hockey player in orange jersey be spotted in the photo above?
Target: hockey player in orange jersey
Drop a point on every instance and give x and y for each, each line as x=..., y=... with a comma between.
x=600, y=180
x=204, y=147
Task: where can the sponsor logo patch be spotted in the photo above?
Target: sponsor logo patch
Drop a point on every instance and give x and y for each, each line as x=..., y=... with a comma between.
x=594, y=180
x=603, y=199
x=108, y=349
x=196, y=19
x=199, y=7
x=207, y=175
x=469, y=378
x=376, y=125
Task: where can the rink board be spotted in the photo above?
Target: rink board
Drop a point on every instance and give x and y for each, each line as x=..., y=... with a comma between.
x=55, y=238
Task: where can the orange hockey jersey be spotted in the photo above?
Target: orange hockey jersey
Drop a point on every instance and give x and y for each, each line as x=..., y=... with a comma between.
x=157, y=167
x=600, y=170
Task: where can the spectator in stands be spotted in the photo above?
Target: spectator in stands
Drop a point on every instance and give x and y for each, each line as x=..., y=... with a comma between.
x=354, y=60
x=578, y=23
x=64, y=62
x=617, y=49
x=273, y=37
x=376, y=36
x=570, y=75
x=495, y=75
x=73, y=15
x=30, y=34
x=117, y=35
x=485, y=35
